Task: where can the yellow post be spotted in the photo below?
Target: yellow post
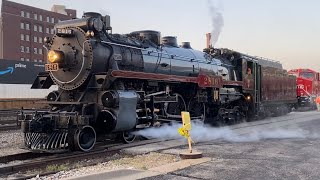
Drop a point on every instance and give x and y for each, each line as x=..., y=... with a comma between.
x=189, y=142
x=186, y=121
x=185, y=132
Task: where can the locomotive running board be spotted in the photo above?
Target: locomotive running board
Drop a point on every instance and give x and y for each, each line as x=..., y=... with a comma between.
x=202, y=80
x=61, y=102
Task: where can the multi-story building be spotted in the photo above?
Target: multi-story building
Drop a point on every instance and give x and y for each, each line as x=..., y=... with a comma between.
x=22, y=29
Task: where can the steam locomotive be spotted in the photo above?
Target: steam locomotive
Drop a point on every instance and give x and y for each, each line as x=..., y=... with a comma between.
x=111, y=84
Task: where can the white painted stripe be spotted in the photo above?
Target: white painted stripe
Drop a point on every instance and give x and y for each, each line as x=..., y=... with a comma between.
x=23, y=91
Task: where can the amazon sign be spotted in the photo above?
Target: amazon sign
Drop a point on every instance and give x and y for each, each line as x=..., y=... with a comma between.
x=19, y=72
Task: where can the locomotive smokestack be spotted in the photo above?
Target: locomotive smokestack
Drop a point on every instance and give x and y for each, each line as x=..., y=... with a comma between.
x=208, y=36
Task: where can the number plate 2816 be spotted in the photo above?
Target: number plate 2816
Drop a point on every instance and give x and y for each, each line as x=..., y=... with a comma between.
x=52, y=67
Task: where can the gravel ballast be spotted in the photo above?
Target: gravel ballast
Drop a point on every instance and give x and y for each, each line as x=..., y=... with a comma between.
x=139, y=162
x=10, y=142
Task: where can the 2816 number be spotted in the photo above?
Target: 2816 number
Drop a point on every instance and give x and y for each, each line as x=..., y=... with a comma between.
x=52, y=67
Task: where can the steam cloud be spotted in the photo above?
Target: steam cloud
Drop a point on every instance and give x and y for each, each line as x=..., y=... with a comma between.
x=201, y=133
x=217, y=22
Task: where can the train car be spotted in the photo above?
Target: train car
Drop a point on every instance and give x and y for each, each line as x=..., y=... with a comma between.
x=308, y=86
x=112, y=84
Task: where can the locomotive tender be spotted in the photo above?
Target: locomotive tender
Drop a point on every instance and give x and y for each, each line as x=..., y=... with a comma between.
x=114, y=84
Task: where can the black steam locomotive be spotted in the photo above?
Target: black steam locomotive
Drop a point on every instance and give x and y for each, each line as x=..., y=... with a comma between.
x=115, y=84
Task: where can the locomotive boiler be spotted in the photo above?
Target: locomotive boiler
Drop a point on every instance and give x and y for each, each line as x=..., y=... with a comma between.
x=111, y=84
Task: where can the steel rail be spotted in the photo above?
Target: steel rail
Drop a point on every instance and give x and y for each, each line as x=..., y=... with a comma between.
x=64, y=158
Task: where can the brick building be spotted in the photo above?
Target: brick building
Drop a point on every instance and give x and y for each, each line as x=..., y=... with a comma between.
x=22, y=29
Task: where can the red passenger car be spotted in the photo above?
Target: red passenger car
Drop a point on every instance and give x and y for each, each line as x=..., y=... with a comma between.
x=308, y=86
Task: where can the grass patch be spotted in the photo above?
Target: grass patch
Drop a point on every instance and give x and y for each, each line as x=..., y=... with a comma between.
x=55, y=167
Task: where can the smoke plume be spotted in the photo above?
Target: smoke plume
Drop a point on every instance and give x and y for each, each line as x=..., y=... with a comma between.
x=217, y=22
x=201, y=133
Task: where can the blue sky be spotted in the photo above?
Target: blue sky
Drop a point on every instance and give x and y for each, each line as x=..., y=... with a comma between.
x=284, y=30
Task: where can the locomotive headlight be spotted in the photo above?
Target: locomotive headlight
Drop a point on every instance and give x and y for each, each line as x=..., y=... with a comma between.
x=55, y=56
x=248, y=98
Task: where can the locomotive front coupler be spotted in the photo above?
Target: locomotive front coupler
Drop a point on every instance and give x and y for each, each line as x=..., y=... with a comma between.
x=47, y=122
x=34, y=121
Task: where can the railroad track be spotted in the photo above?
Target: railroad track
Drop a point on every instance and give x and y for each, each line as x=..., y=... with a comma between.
x=45, y=160
x=21, y=157
x=100, y=151
x=9, y=127
x=8, y=120
x=28, y=155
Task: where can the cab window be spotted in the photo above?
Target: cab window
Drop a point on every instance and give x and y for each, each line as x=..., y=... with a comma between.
x=249, y=68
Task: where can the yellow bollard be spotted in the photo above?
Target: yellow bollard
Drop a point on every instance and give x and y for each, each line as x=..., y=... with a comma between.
x=185, y=131
x=186, y=121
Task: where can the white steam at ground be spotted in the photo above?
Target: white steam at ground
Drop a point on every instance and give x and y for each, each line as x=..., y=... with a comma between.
x=201, y=133
x=217, y=22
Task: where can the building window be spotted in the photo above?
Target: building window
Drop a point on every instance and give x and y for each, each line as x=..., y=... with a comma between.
x=40, y=17
x=40, y=60
x=40, y=50
x=40, y=40
x=40, y=28
x=35, y=16
x=22, y=13
x=28, y=15
x=52, y=31
x=27, y=37
x=35, y=39
x=35, y=51
x=27, y=26
x=22, y=25
x=22, y=37
x=35, y=28
x=52, y=20
x=22, y=59
x=27, y=50
x=22, y=48
x=27, y=59
x=35, y=60
x=47, y=30
x=48, y=19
